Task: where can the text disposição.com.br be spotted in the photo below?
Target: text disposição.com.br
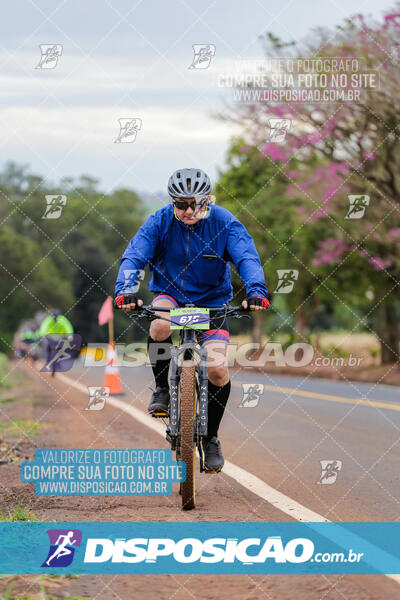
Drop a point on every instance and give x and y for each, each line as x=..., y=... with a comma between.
x=212, y=550
x=337, y=557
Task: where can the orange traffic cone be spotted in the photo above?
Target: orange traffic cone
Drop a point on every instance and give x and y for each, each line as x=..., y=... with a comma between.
x=111, y=375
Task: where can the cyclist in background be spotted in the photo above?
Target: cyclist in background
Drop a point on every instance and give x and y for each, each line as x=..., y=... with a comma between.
x=188, y=246
x=54, y=328
x=30, y=343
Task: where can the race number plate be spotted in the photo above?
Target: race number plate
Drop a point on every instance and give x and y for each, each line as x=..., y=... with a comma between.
x=195, y=318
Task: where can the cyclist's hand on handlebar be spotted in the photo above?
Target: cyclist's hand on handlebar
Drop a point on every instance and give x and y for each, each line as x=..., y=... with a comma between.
x=255, y=303
x=128, y=302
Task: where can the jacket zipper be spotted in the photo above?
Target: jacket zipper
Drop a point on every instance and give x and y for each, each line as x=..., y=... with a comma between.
x=186, y=258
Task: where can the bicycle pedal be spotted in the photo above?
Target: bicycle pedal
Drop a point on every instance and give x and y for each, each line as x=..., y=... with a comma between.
x=159, y=415
x=210, y=472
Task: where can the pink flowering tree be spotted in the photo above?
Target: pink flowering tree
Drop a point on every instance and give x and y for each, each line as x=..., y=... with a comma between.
x=346, y=181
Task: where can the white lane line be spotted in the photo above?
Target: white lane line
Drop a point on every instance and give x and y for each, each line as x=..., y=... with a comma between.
x=137, y=414
x=271, y=495
x=249, y=481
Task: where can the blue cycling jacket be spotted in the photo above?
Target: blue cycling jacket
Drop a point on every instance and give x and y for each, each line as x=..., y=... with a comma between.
x=191, y=263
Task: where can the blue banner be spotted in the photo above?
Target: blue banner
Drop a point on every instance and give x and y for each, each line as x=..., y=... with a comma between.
x=103, y=472
x=226, y=548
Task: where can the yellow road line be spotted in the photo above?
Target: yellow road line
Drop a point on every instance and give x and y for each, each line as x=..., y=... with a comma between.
x=328, y=397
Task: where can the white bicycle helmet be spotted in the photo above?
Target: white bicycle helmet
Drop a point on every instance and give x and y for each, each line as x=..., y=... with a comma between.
x=187, y=183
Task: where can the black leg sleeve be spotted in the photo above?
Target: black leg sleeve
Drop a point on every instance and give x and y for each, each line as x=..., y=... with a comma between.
x=160, y=358
x=217, y=400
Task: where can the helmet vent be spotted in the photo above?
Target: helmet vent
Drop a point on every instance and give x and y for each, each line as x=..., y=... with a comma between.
x=185, y=183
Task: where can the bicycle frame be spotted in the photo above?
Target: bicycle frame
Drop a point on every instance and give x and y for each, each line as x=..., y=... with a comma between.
x=187, y=350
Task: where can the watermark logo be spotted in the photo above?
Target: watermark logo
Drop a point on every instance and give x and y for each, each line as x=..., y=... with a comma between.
x=54, y=206
x=50, y=53
x=286, y=280
x=128, y=129
x=132, y=278
x=279, y=129
x=357, y=206
x=329, y=471
x=283, y=80
x=192, y=550
x=205, y=212
x=61, y=352
x=63, y=543
x=97, y=397
x=203, y=54
x=251, y=394
x=135, y=354
x=338, y=361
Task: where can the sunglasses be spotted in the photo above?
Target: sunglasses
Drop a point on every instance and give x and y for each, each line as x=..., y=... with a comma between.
x=199, y=202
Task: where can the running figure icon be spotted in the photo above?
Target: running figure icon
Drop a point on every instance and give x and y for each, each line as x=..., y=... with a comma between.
x=62, y=549
x=286, y=280
x=63, y=543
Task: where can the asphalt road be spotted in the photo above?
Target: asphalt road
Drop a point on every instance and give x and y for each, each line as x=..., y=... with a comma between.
x=297, y=423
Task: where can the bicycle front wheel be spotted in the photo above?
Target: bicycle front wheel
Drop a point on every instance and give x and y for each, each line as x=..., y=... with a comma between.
x=188, y=448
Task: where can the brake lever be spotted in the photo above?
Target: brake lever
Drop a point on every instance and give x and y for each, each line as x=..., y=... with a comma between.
x=143, y=312
x=240, y=315
x=138, y=311
x=234, y=314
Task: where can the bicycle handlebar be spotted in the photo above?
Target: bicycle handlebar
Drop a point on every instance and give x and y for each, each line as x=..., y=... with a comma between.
x=228, y=311
x=227, y=308
x=224, y=311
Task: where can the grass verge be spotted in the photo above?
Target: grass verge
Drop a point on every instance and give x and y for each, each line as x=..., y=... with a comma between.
x=19, y=514
x=19, y=426
x=43, y=582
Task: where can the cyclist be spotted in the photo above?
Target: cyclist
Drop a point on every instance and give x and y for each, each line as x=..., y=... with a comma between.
x=30, y=341
x=54, y=327
x=188, y=246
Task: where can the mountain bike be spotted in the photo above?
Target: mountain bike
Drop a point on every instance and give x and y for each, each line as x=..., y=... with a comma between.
x=188, y=409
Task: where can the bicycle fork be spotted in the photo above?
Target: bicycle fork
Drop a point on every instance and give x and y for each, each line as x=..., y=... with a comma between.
x=173, y=427
x=201, y=420
x=201, y=425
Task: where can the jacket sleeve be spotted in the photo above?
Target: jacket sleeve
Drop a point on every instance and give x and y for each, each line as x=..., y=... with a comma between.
x=44, y=327
x=140, y=250
x=243, y=253
x=66, y=324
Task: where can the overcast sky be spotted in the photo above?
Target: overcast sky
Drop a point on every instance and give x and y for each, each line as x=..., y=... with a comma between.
x=130, y=59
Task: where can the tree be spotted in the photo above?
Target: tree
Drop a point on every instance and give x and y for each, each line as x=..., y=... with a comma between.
x=342, y=149
x=70, y=262
x=254, y=190
x=91, y=282
x=29, y=282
